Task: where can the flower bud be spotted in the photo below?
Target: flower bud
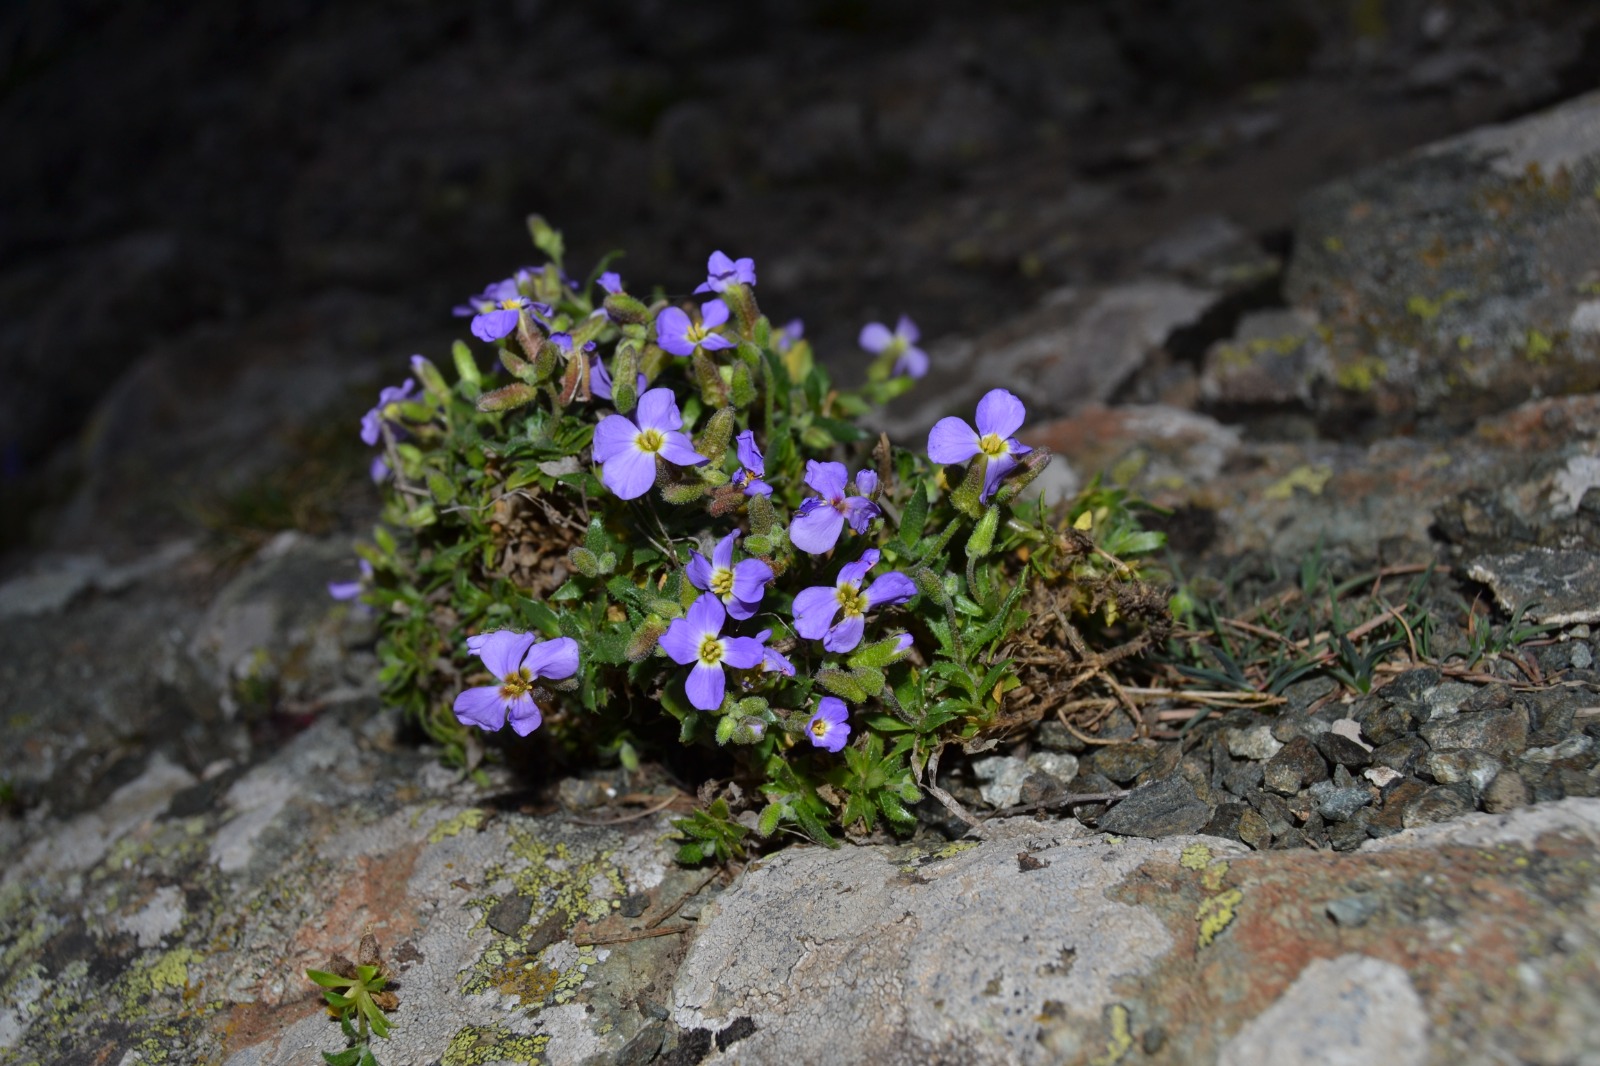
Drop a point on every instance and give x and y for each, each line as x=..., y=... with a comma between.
x=713, y=440
x=584, y=561
x=713, y=391
x=1032, y=466
x=508, y=398
x=762, y=516
x=626, y=310
x=743, y=390
x=433, y=381
x=982, y=538
x=466, y=366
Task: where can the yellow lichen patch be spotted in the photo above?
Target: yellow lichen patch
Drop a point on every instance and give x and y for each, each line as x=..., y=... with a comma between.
x=1361, y=375
x=471, y=818
x=1212, y=881
x=1311, y=478
x=478, y=1044
x=1121, y=1041
x=171, y=970
x=1195, y=857
x=1215, y=913
x=572, y=978
x=526, y=979
x=1538, y=347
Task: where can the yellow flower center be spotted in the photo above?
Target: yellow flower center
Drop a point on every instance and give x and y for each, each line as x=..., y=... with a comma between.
x=649, y=440
x=515, y=685
x=697, y=332
x=819, y=728
x=711, y=650
x=852, y=600
x=993, y=446
x=722, y=581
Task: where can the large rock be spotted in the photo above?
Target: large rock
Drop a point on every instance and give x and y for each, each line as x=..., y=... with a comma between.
x=1045, y=944
x=1458, y=280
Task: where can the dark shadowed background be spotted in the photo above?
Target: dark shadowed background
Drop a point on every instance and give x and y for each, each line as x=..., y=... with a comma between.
x=223, y=225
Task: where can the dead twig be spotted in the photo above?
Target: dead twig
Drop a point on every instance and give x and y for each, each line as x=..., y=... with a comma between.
x=647, y=812
x=624, y=938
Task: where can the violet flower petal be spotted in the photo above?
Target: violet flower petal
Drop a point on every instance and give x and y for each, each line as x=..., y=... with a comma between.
x=814, y=610
x=494, y=325
x=875, y=337
x=1000, y=413
x=859, y=512
x=891, y=588
x=713, y=313
x=742, y=653
x=699, y=571
x=816, y=530
x=629, y=474
x=681, y=642
x=750, y=579
x=502, y=651
x=705, y=686
x=554, y=659
x=846, y=635
x=749, y=455
x=999, y=467
x=658, y=409
x=613, y=436
x=482, y=707
x=722, y=554
x=678, y=450
x=523, y=715
x=856, y=572
x=952, y=440
x=672, y=331
x=913, y=363
x=828, y=479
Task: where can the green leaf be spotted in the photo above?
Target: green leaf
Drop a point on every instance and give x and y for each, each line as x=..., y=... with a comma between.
x=347, y=1057
x=546, y=238
x=843, y=432
x=507, y=397
x=914, y=517
x=771, y=816
x=466, y=367
x=842, y=684
x=329, y=980
x=725, y=728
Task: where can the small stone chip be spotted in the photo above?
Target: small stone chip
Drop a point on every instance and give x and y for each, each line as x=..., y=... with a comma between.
x=1026, y=862
x=1352, y=911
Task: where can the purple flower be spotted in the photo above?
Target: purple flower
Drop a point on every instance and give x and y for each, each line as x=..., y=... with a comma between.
x=495, y=310
x=611, y=281
x=723, y=273
x=628, y=450
x=773, y=660
x=816, y=607
x=372, y=421
x=789, y=335
x=829, y=727
x=349, y=590
x=755, y=467
x=697, y=638
x=821, y=518
x=902, y=343
x=1000, y=414
x=600, y=377
x=378, y=470
x=518, y=660
x=678, y=334
x=739, y=587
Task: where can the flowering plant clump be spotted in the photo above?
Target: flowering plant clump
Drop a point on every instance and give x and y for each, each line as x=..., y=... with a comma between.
x=661, y=510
